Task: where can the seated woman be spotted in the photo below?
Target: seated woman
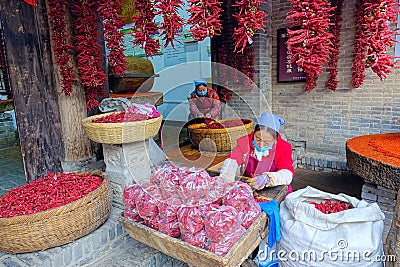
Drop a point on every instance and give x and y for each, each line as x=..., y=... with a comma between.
x=263, y=155
x=204, y=101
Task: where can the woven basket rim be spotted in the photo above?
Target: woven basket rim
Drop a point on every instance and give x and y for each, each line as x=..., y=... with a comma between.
x=49, y=213
x=88, y=120
x=194, y=127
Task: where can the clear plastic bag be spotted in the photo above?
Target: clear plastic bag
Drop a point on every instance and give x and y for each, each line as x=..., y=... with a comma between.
x=220, y=222
x=223, y=246
x=132, y=214
x=170, y=228
x=191, y=219
x=249, y=214
x=238, y=195
x=168, y=212
x=197, y=239
x=147, y=201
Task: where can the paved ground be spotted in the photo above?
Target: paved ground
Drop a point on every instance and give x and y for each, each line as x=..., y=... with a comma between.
x=11, y=169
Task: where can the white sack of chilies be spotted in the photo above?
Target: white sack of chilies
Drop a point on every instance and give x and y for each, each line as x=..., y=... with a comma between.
x=310, y=237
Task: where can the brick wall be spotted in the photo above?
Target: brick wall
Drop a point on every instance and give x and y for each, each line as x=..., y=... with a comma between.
x=324, y=119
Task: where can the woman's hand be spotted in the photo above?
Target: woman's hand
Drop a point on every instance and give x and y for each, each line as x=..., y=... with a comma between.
x=258, y=182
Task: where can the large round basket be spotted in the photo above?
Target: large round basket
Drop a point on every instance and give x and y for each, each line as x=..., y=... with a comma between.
x=218, y=139
x=58, y=226
x=120, y=133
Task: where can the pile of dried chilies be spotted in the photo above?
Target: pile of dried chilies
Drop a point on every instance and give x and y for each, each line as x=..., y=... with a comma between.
x=53, y=190
x=372, y=38
x=331, y=206
x=310, y=41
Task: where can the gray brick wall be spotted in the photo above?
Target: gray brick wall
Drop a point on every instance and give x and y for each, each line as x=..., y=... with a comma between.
x=323, y=119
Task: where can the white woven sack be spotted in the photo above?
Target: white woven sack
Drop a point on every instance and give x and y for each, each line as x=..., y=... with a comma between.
x=311, y=238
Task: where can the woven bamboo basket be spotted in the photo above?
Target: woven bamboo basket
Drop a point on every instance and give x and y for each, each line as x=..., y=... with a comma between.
x=120, y=133
x=218, y=139
x=58, y=226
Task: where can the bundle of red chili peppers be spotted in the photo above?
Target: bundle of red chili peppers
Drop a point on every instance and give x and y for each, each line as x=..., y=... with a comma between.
x=172, y=22
x=145, y=27
x=335, y=29
x=311, y=43
x=331, y=206
x=373, y=37
x=204, y=18
x=87, y=15
x=249, y=19
x=61, y=46
x=53, y=190
x=112, y=23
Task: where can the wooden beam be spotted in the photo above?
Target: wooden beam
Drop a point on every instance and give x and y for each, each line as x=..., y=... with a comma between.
x=27, y=44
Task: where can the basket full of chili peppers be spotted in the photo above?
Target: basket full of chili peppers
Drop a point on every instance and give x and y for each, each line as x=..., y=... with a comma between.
x=53, y=211
x=121, y=127
x=219, y=135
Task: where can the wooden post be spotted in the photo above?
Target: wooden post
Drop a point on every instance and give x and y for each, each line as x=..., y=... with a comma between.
x=77, y=147
x=31, y=68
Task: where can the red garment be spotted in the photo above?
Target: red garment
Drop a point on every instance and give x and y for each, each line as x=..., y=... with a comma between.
x=279, y=157
x=205, y=104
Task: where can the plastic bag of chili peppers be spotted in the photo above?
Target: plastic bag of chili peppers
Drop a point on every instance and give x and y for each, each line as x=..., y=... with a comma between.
x=130, y=194
x=197, y=239
x=239, y=194
x=170, y=228
x=153, y=223
x=168, y=212
x=132, y=214
x=147, y=201
x=191, y=219
x=225, y=244
x=220, y=222
x=249, y=214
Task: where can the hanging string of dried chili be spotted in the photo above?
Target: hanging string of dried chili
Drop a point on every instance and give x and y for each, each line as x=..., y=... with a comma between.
x=61, y=48
x=172, y=22
x=145, y=27
x=204, y=18
x=359, y=54
x=249, y=19
x=89, y=57
x=373, y=37
x=311, y=43
x=112, y=23
x=336, y=28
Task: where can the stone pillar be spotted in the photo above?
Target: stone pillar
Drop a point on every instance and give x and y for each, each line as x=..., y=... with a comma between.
x=125, y=163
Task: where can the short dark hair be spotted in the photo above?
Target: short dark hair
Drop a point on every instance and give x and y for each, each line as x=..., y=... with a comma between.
x=266, y=129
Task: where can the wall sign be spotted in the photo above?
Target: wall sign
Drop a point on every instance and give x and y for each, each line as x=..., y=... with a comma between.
x=287, y=72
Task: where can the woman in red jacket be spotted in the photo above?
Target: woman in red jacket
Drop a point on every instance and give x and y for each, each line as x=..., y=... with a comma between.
x=263, y=156
x=204, y=101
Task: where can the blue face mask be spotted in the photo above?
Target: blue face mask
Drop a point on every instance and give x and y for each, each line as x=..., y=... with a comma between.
x=261, y=149
x=202, y=93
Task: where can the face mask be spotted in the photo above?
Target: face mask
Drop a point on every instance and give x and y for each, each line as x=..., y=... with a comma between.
x=202, y=93
x=261, y=149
